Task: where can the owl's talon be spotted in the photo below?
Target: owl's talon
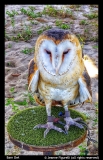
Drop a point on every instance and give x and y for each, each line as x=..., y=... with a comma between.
x=66, y=127
x=40, y=126
x=37, y=126
x=48, y=126
x=77, y=119
x=58, y=129
x=46, y=132
x=79, y=125
x=70, y=121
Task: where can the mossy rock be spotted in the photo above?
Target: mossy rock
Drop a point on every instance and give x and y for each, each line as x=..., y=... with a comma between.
x=20, y=127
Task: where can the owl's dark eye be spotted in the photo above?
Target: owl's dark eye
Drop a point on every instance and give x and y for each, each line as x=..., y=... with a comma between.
x=48, y=52
x=65, y=52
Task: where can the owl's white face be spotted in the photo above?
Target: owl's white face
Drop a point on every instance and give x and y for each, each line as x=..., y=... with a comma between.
x=57, y=59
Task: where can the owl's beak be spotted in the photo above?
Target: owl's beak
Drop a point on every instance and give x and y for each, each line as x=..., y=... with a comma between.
x=56, y=63
x=56, y=70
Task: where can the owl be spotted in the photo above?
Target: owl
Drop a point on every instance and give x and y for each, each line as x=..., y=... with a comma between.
x=57, y=76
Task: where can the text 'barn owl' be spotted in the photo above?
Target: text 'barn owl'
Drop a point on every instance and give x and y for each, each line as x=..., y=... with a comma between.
x=57, y=75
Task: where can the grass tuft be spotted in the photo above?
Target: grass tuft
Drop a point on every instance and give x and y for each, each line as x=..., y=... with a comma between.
x=91, y=15
x=12, y=13
x=27, y=50
x=61, y=25
x=30, y=12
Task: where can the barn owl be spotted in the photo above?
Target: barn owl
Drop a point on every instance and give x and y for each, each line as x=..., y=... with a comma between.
x=57, y=76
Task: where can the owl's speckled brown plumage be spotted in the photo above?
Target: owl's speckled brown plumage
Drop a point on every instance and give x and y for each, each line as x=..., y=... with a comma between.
x=57, y=75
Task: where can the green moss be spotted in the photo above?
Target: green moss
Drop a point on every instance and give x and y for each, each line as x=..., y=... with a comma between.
x=20, y=127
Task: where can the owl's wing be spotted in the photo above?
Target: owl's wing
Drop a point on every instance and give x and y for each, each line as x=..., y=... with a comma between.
x=33, y=76
x=85, y=87
x=85, y=93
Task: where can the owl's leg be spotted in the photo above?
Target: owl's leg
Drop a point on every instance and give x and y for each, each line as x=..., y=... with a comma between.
x=49, y=125
x=69, y=120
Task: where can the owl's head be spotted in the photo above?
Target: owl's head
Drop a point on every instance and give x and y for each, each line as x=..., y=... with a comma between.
x=57, y=51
